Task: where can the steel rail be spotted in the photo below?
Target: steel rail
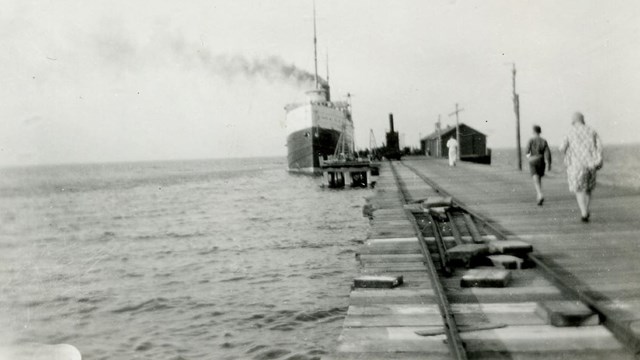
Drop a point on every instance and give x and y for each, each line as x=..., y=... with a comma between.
x=454, y=229
x=456, y=345
x=620, y=328
x=440, y=245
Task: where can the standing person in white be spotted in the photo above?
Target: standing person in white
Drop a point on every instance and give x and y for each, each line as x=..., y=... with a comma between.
x=452, y=144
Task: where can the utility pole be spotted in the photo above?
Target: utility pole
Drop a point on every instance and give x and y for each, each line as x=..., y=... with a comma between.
x=439, y=142
x=516, y=109
x=457, y=127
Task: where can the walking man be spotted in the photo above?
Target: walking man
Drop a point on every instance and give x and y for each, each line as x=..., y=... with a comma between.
x=539, y=157
x=582, y=150
x=452, y=144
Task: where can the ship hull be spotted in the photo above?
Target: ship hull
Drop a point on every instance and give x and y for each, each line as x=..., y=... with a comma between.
x=305, y=148
x=314, y=131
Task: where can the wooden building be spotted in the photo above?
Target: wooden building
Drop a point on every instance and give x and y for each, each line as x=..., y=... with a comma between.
x=473, y=144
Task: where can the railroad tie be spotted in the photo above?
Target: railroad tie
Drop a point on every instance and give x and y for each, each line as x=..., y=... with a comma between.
x=567, y=313
x=378, y=282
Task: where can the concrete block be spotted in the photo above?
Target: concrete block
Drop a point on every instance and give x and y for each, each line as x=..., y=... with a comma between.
x=511, y=247
x=486, y=278
x=378, y=282
x=466, y=253
x=563, y=313
x=506, y=261
x=437, y=201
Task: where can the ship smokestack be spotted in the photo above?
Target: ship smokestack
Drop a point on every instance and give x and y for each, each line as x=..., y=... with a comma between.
x=391, y=123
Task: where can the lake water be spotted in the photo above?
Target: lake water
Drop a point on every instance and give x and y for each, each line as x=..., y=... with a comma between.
x=219, y=259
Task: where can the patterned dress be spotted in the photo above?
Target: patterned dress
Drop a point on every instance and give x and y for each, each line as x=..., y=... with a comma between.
x=582, y=150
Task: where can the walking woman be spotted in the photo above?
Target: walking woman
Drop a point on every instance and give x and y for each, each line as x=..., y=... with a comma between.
x=582, y=150
x=539, y=157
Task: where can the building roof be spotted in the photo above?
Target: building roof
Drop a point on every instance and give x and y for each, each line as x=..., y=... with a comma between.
x=446, y=131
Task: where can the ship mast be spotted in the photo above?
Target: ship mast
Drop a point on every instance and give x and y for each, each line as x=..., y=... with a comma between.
x=327, y=67
x=315, y=45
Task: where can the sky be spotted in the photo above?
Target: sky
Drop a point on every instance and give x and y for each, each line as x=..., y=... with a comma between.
x=110, y=81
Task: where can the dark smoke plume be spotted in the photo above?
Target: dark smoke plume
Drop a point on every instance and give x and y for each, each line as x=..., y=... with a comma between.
x=118, y=48
x=272, y=68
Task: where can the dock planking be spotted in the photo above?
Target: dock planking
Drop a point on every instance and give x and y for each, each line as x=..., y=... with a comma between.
x=383, y=323
x=601, y=257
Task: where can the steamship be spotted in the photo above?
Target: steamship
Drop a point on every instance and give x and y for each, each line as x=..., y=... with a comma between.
x=319, y=126
x=316, y=128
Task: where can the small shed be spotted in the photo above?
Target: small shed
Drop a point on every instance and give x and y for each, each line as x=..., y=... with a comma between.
x=473, y=144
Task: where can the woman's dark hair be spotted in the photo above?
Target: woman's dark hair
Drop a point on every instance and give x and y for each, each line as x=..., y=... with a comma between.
x=537, y=129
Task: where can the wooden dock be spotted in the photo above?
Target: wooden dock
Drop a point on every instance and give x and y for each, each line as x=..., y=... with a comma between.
x=598, y=259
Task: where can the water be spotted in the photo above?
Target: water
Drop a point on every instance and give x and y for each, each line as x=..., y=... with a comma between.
x=621, y=164
x=219, y=259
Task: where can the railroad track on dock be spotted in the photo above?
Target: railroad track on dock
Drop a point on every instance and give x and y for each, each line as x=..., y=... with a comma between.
x=619, y=327
x=462, y=225
x=456, y=345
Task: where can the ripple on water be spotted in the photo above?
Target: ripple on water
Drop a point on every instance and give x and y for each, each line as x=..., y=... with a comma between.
x=287, y=326
x=290, y=320
x=145, y=306
x=144, y=346
x=271, y=354
x=302, y=357
x=320, y=314
x=90, y=300
x=256, y=348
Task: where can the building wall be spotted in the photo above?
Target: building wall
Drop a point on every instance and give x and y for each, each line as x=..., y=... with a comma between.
x=471, y=143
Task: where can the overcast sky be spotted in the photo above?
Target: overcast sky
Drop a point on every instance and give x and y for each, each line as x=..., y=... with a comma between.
x=92, y=81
